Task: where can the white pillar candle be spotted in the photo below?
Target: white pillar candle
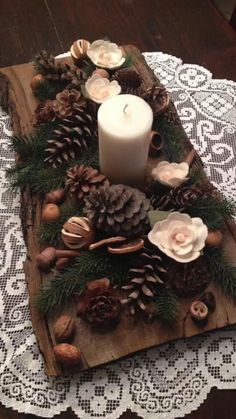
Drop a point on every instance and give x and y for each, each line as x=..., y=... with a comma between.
x=124, y=129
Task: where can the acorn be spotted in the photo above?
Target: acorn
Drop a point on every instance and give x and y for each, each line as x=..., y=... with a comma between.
x=50, y=212
x=55, y=197
x=101, y=72
x=38, y=78
x=214, y=238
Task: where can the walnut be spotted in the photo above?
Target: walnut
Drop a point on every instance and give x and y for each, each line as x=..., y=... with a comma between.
x=67, y=354
x=64, y=328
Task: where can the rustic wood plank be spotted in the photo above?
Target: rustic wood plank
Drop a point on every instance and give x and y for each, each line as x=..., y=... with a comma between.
x=132, y=334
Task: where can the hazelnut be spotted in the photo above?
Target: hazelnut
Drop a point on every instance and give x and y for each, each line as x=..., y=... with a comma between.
x=198, y=310
x=54, y=197
x=67, y=354
x=36, y=80
x=50, y=212
x=214, y=238
x=64, y=328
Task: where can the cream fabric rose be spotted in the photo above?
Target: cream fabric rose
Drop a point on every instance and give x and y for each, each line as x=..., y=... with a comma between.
x=179, y=236
x=106, y=54
x=100, y=89
x=171, y=174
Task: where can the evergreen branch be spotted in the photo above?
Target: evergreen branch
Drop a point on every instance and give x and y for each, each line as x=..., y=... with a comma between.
x=50, y=232
x=20, y=174
x=129, y=61
x=47, y=90
x=222, y=270
x=90, y=157
x=47, y=179
x=213, y=211
x=197, y=175
x=87, y=267
x=167, y=305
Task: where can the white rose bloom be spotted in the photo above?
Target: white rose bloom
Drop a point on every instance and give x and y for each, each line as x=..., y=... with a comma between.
x=106, y=54
x=100, y=89
x=171, y=174
x=179, y=236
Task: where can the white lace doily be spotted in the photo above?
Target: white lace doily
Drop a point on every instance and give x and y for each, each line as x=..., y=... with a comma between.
x=164, y=382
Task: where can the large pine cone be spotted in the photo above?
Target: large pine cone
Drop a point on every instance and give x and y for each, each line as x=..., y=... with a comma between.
x=81, y=180
x=129, y=80
x=118, y=210
x=45, y=63
x=143, y=278
x=73, y=136
x=158, y=98
x=189, y=279
x=182, y=197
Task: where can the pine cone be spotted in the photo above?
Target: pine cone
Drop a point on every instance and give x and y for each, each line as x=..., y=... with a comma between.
x=188, y=279
x=129, y=80
x=69, y=74
x=144, y=277
x=118, y=210
x=73, y=135
x=68, y=103
x=158, y=98
x=182, y=197
x=81, y=180
x=44, y=113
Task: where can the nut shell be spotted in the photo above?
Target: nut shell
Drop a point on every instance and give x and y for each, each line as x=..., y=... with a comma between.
x=67, y=354
x=36, y=80
x=214, y=238
x=198, y=310
x=77, y=232
x=54, y=197
x=64, y=328
x=50, y=212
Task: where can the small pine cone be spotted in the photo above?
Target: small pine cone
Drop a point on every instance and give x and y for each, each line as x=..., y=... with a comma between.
x=81, y=180
x=68, y=102
x=72, y=75
x=158, y=98
x=144, y=277
x=182, y=197
x=73, y=135
x=44, y=113
x=45, y=63
x=129, y=80
x=118, y=210
x=188, y=279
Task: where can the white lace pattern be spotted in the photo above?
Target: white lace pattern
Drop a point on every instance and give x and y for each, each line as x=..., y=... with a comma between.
x=164, y=382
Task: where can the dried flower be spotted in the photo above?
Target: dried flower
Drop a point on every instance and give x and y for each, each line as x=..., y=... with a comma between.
x=99, y=88
x=106, y=54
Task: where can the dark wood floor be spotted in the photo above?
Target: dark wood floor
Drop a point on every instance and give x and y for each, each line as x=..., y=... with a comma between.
x=191, y=29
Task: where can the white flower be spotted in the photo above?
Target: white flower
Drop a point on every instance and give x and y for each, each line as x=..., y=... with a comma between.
x=100, y=89
x=179, y=236
x=106, y=54
x=171, y=174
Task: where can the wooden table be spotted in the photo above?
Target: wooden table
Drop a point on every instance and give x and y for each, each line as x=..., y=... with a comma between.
x=190, y=29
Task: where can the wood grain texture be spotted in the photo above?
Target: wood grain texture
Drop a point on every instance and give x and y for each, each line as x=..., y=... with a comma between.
x=132, y=334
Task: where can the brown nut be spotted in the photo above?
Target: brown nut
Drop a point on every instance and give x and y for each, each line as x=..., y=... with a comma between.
x=214, y=238
x=46, y=258
x=127, y=247
x=54, y=197
x=64, y=328
x=208, y=298
x=101, y=72
x=50, y=212
x=198, y=310
x=38, y=78
x=67, y=354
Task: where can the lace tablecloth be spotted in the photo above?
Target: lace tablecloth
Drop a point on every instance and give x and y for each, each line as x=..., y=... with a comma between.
x=164, y=382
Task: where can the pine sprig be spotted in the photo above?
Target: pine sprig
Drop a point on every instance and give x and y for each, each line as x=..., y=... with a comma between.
x=47, y=90
x=213, y=211
x=222, y=270
x=129, y=61
x=50, y=233
x=87, y=267
x=167, y=306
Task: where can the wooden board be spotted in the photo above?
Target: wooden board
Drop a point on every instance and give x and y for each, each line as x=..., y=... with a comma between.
x=132, y=334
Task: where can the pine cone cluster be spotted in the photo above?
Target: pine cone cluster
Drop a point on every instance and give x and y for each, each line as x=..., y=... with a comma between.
x=118, y=210
x=46, y=64
x=188, y=279
x=182, y=197
x=73, y=135
x=81, y=180
x=157, y=97
x=129, y=80
x=143, y=279
x=68, y=103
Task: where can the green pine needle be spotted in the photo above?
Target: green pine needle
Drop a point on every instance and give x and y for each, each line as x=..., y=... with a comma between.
x=129, y=61
x=87, y=267
x=212, y=211
x=50, y=232
x=167, y=306
x=47, y=90
x=222, y=270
